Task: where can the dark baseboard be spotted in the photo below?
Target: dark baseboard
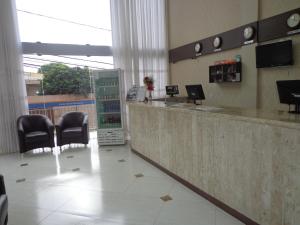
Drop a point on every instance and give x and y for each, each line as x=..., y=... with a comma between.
x=244, y=219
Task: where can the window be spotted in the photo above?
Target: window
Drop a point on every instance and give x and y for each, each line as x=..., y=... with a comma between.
x=77, y=22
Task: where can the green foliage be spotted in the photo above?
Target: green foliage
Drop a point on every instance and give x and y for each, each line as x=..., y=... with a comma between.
x=61, y=79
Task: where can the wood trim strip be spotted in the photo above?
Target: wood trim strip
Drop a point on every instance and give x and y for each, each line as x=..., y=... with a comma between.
x=244, y=219
x=230, y=39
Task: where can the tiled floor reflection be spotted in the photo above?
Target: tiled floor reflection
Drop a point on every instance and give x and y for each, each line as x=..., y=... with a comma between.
x=93, y=188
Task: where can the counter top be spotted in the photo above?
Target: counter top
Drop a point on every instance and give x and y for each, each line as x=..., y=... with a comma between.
x=277, y=118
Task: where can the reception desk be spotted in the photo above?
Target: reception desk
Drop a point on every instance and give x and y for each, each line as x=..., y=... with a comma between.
x=244, y=161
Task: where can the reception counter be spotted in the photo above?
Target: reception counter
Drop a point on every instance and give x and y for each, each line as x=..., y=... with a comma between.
x=244, y=161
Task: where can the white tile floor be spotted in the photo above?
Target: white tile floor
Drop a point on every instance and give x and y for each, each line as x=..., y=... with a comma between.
x=103, y=191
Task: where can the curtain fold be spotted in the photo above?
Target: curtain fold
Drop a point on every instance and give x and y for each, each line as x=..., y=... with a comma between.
x=139, y=41
x=12, y=84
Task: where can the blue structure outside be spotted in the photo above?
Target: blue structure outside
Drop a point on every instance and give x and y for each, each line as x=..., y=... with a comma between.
x=60, y=104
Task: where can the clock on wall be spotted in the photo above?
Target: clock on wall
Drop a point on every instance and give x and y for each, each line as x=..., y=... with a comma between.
x=217, y=42
x=198, y=48
x=294, y=20
x=248, y=33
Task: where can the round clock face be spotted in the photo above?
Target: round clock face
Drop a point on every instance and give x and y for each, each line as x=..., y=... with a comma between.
x=217, y=42
x=294, y=20
x=198, y=47
x=248, y=33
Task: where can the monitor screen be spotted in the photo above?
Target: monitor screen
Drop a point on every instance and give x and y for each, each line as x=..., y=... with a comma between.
x=275, y=54
x=172, y=90
x=195, y=92
x=288, y=91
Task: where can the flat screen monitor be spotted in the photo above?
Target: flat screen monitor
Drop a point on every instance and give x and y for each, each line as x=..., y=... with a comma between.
x=172, y=90
x=275, y=54
x=195, y=92
x=289, y=93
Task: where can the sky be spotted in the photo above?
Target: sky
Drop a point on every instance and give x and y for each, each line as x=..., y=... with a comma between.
x=35, y=28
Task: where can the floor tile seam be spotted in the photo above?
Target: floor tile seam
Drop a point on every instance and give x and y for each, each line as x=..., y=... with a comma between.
x=62, y=212
x=92, y=215
x=93, y=190
x=63, y=204
x=170, y=180
x=215, y=216
x=171, y=188
x=129, y=185
x=159, y=212
x=50, y=212
x=42, y=208
x=33, y=208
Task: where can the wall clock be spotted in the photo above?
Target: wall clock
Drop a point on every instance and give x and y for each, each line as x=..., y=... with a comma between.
x=294, y=20
x=198, y=47
x=248, y=33
x=217, y=42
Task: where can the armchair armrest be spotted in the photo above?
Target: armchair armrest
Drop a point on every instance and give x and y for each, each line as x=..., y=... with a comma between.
x=49, y=126
x=85, y=129
x=21, y=134
x=2, y=186
x=59, y=124
x=85, y=120
x=20, y=125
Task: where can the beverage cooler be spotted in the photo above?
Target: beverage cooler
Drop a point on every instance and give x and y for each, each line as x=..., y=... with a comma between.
x=109, y=86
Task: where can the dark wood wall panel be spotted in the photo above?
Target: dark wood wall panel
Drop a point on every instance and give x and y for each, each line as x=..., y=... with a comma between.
x=265, y=30
x=230, y=39
x=275, y=27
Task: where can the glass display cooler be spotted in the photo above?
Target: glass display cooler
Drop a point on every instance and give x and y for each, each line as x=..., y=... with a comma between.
x=108, y=87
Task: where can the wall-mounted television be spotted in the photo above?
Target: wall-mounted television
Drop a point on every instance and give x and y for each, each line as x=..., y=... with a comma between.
x=275, y=54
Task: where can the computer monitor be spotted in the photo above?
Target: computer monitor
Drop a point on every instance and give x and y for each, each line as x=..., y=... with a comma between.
x=195, y=92
x=172, y=90
x=289, y=93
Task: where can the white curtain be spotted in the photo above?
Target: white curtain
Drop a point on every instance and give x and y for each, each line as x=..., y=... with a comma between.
x=12, y=84
x=139, y=41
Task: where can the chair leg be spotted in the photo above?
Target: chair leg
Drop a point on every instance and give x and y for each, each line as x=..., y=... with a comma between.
x=85, y=145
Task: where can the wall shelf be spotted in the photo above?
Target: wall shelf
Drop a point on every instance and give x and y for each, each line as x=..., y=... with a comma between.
x=225, y=73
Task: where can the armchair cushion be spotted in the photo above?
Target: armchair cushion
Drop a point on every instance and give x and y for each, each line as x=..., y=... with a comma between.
x=36, y=136
x=71, y=132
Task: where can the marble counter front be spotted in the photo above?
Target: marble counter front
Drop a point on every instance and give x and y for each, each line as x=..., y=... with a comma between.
x=247, y=159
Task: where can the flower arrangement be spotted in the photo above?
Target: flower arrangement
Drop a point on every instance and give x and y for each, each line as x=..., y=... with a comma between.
x=148, y=81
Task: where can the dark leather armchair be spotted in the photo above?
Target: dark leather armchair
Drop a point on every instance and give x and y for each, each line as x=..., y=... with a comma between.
x=3, y=203
x=35, y=131
x=72, y=127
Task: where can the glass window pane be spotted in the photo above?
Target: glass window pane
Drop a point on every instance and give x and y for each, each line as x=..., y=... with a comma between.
x=64, y=21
